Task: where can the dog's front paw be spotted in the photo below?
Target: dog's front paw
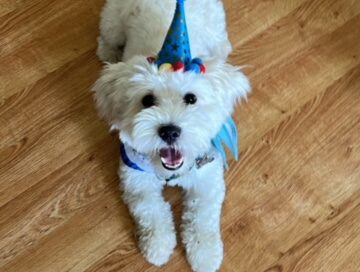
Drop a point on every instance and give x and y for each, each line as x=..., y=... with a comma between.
x=204, y=250
x=157, y=245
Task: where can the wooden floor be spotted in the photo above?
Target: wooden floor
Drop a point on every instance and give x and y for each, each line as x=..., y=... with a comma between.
x=293, y=201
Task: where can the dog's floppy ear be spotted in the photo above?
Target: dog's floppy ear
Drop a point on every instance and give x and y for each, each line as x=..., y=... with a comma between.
x=110, y=91
x=229, y=82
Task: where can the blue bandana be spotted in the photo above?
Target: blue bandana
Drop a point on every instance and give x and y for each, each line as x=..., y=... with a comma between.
x=228, y=135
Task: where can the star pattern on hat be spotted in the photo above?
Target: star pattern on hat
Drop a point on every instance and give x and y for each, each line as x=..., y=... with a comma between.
x=175, y=46
x=175, y=54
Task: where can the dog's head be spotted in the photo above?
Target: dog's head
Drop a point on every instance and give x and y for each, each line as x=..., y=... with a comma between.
x=169, y=116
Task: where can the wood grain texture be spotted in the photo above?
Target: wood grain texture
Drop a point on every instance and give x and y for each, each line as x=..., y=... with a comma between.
x=293, y=202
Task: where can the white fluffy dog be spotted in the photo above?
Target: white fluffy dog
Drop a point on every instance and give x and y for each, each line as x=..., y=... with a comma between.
x=167, y=120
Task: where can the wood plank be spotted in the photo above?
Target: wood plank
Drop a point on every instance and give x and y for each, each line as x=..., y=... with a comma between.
x=250, y=18
x=279, y=90
x=40, y=140
x=291, y=171
x=41, y=37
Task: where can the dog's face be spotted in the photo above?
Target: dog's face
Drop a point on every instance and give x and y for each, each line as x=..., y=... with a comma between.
x=169, y=116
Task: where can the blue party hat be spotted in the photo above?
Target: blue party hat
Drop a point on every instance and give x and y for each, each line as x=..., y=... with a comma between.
x=175, y=54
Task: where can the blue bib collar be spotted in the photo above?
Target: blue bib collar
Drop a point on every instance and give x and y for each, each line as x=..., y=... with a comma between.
x=137, y=161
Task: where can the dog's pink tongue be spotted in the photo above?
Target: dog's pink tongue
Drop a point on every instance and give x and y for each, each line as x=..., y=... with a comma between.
x=171, y=156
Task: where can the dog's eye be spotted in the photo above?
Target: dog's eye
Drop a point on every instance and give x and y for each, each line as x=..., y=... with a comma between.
x=148, y=101
x=190, y=98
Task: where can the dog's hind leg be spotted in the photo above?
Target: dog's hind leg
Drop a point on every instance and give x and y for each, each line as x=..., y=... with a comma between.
x=107, y=53
x=112, y=37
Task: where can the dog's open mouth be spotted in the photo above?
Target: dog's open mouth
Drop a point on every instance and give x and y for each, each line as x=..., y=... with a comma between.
x=171, y=158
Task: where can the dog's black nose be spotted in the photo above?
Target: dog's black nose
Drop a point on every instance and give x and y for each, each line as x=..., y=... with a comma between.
x=169, y=133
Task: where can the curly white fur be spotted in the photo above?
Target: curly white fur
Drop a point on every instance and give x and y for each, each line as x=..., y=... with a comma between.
x=131, y=30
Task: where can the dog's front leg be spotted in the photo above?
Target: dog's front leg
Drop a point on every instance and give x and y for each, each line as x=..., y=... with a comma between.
x=201, y=219
x=142, y=192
